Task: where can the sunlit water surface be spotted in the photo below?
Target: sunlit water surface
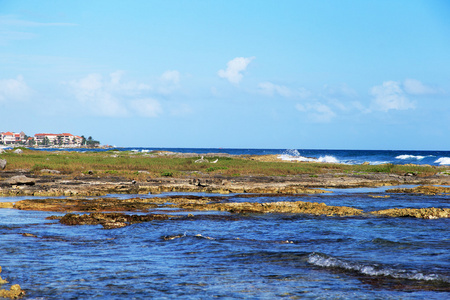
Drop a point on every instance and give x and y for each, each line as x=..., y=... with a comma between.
x=250, y=256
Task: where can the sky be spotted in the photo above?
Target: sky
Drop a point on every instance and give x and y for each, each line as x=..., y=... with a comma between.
x=345, y=74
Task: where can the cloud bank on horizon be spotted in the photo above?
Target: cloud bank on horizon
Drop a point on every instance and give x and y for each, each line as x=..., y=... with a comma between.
x=348, y=83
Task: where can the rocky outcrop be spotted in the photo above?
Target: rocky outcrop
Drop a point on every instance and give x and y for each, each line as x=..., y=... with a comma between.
x=50, y=171
x=2, y=281
x=86, y=205
x=297, y=207
x=21, y=180
x=6, y=204
x=111, y=220
x=2, y=164
x=14, y=292
x=421, y=213
x=427, y=190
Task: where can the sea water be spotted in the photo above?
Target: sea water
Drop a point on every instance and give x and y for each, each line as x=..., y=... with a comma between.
x=236, y=256
x=373, y=157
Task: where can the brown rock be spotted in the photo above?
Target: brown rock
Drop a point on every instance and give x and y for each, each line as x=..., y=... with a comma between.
x=299, y=207
x=13, y=293
x=6, y=205
x=427, y=190
x=421, y=213
x=111, y=220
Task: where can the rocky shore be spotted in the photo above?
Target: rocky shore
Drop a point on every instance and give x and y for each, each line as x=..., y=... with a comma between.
x=107, y=210
x=25, y=183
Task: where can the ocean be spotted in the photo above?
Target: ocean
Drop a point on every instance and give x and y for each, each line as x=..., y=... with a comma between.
x=241, y=256
x=373, y=157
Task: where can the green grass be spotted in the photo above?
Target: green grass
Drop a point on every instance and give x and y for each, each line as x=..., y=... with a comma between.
x=127, y=165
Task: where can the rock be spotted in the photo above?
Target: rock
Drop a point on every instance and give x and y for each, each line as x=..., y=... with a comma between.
x=6, y=204
x=421, y=213
x=29, y=235
x=14, y=292
x=298, y=207
x=366, y=163
x=111, y=220
x=410, y=174
x=21, y=180
x=18, y=151
x=50, y=171
x=424, y=189
x=2, y=164
x=2, y=281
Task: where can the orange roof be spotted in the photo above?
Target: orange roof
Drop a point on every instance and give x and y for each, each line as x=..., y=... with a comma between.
x=45, y=134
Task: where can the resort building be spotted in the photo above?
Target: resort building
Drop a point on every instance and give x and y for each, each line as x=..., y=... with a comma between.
x=12, y=138
x=43, y=139
x=61, y=139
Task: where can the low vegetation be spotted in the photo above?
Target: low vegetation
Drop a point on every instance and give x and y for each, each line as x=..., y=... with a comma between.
x=127, y=164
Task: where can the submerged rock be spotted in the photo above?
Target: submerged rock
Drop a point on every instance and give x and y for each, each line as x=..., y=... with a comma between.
x=421, y=213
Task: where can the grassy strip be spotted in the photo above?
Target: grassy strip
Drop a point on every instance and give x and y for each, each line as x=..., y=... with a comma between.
x=128, y=164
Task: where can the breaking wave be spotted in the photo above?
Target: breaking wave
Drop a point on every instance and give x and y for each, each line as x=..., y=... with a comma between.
x=323, y=260
x=443, y=161
x=407, y=156
x=293, y=154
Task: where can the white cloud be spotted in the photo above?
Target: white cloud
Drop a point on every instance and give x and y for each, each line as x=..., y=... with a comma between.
x=235, y=67
x=317, y=112
x=171, y=77
x=415, y=87
x=147, y=107
x=168, y=82
x=94, y=94
x=14, y=89
x=270, y=89
x=341, y=91
x=390, y=96
x=115, y=97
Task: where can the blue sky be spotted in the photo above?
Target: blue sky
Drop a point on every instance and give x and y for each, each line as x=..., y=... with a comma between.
x=234, y=74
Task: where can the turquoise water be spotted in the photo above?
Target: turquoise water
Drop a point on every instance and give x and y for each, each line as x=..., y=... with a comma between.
x=221, y=255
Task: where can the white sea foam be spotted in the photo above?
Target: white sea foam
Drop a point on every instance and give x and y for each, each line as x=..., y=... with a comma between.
x=407, y=156
x=443, y=161
x=294, y=155
x=291, y=152
x=332, y=262
x=328, y=159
